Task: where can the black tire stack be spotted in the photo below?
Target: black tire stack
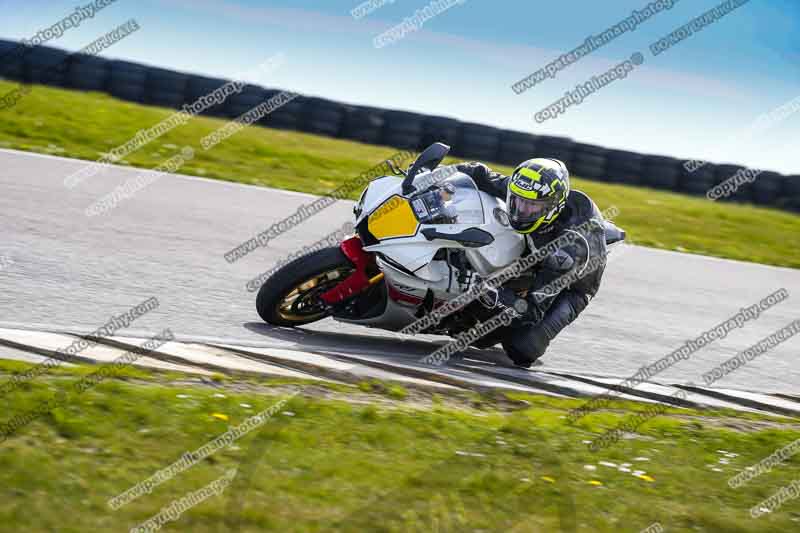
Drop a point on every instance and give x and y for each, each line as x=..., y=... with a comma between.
x=725, y=172
x=440, y=129
x=561, y=148
x=289, y=116
x=12, y=60
x=698, y=182
x=478, y=142
x=88, y=73
x=363, y=124
x=324, y=117
x=767, y=189
x=589, y=161
x=516, y=147
x=402, y=129
x=624, y=167
x=165, y=88
x=791, y=193
x=239, y=104
x=200, y=86
x=661, y=172
x=128, y=81
x=47, y=66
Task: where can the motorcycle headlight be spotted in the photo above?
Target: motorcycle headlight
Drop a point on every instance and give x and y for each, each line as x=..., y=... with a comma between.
x=501, y=216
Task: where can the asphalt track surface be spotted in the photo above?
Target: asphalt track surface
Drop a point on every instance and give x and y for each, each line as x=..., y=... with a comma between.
x=71, y=272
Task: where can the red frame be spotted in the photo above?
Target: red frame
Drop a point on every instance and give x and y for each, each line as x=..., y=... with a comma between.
x=356, y=282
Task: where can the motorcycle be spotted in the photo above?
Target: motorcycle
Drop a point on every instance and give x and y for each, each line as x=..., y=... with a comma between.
x=423, y=237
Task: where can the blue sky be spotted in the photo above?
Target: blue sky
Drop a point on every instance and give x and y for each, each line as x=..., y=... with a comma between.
x=690, y=101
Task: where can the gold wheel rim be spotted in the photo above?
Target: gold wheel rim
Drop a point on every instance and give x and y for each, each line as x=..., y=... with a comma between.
x=302, y=302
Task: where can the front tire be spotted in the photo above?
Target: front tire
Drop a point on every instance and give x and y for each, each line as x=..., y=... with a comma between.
x=290, y=297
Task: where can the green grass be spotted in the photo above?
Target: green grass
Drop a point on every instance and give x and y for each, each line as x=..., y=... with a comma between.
x=347, y=460
x=86, y=125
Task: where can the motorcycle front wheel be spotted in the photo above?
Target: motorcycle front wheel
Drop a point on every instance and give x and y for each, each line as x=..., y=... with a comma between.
x=291, y=296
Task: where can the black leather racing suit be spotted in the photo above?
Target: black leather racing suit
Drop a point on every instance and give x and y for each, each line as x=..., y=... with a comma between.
x=527, y=338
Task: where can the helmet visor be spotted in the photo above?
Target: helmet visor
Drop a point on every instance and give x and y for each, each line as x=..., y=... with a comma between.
x=524, y=211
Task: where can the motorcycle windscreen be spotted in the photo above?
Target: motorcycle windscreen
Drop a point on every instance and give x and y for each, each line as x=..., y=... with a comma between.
x=455, y=200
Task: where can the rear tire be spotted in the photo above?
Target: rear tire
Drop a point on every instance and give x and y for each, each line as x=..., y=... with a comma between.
x=308, y=276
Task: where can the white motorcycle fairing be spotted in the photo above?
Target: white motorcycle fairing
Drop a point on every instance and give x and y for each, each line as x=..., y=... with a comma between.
x=412, y=247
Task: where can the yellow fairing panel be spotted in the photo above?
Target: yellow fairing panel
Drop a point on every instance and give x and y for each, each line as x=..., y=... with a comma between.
x=394, y=218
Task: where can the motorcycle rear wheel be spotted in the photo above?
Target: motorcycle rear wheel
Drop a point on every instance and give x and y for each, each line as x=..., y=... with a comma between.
x=290, y=297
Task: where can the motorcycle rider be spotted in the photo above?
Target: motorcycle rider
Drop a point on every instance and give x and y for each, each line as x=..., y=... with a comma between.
x=542, y=207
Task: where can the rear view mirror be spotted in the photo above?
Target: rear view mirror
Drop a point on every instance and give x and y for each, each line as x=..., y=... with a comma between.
x=430, y=158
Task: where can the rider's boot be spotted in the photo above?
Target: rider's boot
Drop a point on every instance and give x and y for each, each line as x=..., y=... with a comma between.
x=527, y=343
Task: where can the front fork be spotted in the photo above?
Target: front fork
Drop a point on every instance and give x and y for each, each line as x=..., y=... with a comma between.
x=358, y=281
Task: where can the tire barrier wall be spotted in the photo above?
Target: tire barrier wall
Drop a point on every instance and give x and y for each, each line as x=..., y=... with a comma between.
x=400, y=129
